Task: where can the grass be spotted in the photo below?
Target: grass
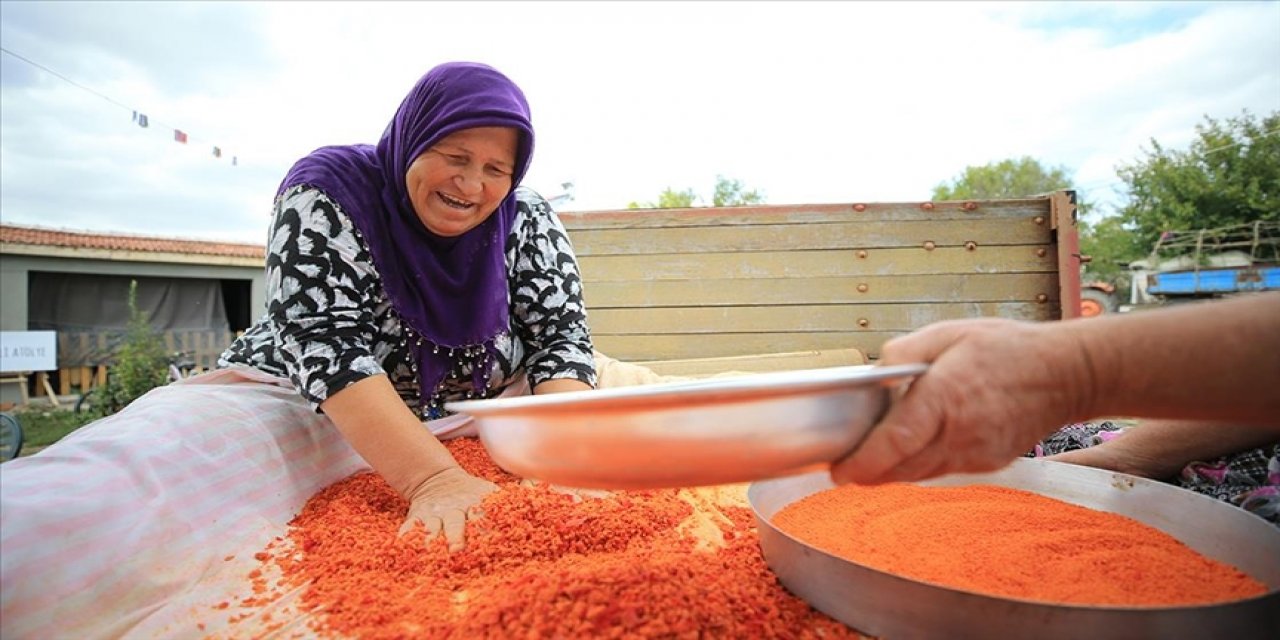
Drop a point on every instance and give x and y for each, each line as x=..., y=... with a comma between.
x=43, y=426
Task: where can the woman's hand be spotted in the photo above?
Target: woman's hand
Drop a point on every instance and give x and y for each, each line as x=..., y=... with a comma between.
x=444, y=503
x=994, y=387
x=395, y=443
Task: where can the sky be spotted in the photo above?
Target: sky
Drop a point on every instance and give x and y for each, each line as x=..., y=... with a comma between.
x=806, y=102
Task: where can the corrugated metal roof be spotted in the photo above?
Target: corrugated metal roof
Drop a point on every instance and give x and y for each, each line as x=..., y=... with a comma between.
x=125, y=242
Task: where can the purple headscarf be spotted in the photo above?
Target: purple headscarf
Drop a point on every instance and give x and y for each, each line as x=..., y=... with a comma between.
x=450, y=293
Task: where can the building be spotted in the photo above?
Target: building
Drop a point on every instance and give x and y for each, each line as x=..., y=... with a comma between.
x=194, y=292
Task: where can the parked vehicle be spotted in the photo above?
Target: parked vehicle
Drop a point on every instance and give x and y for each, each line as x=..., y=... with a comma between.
x=1208, y=263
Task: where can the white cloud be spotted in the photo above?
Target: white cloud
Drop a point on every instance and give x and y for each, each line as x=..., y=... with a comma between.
x=808, y=102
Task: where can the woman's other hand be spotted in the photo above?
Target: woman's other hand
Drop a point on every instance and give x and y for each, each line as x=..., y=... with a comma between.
x=445, y=502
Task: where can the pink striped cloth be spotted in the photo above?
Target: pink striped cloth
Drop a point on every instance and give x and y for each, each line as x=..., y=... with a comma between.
x=101, y=530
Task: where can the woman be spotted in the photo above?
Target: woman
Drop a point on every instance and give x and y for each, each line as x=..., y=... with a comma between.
x=411, y=273
x=400, y=276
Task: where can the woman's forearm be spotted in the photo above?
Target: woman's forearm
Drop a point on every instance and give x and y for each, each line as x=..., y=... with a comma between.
x=1217, y=360
x=378, y=425
x=1161, y=448
x=561, y=385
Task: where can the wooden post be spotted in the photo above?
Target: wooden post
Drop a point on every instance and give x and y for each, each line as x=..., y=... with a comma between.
x=42, y=379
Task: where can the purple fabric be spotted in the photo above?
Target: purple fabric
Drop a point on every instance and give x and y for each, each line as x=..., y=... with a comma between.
x=451, y=293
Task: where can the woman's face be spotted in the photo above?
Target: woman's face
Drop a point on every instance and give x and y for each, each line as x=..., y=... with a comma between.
x=459, y=182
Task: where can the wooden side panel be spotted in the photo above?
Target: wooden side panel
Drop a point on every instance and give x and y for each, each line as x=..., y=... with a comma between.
x=735, y=282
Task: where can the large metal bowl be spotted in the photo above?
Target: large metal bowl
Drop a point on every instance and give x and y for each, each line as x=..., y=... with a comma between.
x=703, y=432
x=891, y=606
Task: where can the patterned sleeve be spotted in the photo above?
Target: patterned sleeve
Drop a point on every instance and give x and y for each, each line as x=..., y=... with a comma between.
x=318, y=274
x=546, y=295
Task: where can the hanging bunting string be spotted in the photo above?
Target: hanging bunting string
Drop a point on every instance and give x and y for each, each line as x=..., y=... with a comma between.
x=139, y=118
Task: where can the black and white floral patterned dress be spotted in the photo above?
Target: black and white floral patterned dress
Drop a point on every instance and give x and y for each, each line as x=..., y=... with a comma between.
x=329, y=323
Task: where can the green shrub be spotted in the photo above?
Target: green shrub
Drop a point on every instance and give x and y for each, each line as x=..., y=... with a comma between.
x=140, y=363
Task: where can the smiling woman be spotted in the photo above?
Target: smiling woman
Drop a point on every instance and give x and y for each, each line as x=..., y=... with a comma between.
x=400, y=276
x=460, y=180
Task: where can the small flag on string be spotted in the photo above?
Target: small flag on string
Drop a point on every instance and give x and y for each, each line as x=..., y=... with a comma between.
x=141, y=119
x=233, y=161
x=217, y=152
x=179, y=136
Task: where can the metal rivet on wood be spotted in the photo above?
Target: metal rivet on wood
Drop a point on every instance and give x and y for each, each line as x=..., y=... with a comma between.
x=863, y=322
x=970, y=245
x=859, y=207
x=928, y=206
x=1042, y=298
x=862, y=254
x=929, y=245
x=970, y=206
x=1038, y=220
x=862, y=288
x=1040, y=253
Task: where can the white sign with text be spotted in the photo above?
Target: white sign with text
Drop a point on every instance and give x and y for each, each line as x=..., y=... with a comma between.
x=28, y=351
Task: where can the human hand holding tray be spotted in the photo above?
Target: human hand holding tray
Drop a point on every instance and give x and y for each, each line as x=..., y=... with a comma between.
x=678, y=434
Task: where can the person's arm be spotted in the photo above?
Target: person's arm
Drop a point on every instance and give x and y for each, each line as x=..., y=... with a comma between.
x=994, y=387
x=550, y=317
x=1161, y=448
x=1212, y=360
x=319, y=274
x=378, y=425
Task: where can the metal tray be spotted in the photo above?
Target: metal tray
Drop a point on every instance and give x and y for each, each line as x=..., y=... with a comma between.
x=887, y=605
x=679, y=434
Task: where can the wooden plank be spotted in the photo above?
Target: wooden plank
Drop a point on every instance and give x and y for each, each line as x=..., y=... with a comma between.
x=105, y=352
x=994, y=287
x=170, y=342
x=795, y=237
x=64, y=381
x=100, y=375
x=816, y=264
x=807, y=318
x=790, y=214
x=716, y=345
x=83, y=339
x=759, y=363
x=86, y=379
x=1063, y=206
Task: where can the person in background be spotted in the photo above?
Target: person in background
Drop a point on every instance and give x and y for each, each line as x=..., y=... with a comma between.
x=1205, y=374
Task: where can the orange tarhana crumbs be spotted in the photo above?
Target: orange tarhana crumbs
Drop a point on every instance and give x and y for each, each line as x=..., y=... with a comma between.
x=539, y=563
x=1011, y=543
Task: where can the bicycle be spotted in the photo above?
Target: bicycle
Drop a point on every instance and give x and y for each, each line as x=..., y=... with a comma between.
x=182, y=364
x=10, y=437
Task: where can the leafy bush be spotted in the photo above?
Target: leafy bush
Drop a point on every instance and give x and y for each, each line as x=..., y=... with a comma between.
x=140, y=364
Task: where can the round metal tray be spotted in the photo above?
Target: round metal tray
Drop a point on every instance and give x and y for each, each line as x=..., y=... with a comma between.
x=890, y=606
x=680, y=434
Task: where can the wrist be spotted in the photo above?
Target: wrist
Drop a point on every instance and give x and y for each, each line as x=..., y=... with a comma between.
x=1086, y=374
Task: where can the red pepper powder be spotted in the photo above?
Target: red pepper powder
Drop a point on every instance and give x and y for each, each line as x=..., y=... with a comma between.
x=1011, y=543
x=538, y=564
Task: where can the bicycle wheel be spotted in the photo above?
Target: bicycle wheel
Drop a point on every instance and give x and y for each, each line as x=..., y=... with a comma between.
x=86, y=400
x=10, y=437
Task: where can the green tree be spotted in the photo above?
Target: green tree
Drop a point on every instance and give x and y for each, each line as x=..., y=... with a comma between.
x=140, y=364
x=1010, y=178
x=1229, y=174
x=728, y=193
x=732, y=193
x=1111, y=246
x=668, y=199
